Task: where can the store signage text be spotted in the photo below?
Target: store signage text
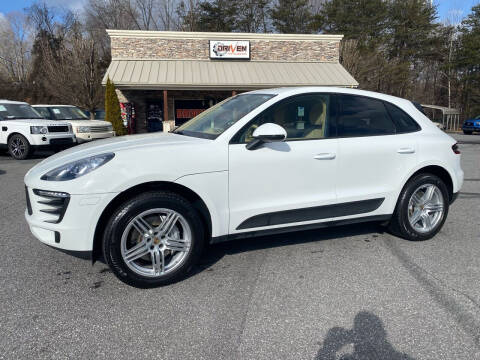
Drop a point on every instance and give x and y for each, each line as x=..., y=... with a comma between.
x=188, y=113
x=229, y=49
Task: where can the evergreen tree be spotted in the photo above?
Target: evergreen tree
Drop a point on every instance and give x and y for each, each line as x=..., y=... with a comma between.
x=412, y=28
x=468, y=61
x=292, y=16
x=112, y=109
x=363, y=20
x=252, y=15
x=217, y=16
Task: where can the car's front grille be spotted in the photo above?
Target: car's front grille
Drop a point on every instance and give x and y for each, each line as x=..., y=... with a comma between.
x=99, y=129
x=58, y=129
x=468, y=124
x=53, y=203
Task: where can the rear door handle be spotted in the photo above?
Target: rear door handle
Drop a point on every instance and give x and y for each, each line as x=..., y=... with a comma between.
x=325, y=156
x=406, y=150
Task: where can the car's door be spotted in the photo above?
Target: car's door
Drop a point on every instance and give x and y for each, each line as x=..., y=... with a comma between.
x=373, y=151
x=284, y=183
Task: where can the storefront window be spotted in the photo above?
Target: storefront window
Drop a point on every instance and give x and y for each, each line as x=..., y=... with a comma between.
x=214, y=121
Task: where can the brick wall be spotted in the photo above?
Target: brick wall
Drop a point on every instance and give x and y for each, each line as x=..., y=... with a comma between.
x=198, y=49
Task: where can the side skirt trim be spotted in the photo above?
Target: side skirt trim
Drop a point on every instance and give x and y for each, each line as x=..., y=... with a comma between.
x=311, y=213
x=249, y=234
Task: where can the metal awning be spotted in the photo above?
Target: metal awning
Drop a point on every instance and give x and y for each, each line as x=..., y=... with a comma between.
x=450, y=117
x=443, y=109
x=224, y=75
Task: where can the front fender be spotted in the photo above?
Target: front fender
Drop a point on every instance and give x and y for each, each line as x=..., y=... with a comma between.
x=212, y=188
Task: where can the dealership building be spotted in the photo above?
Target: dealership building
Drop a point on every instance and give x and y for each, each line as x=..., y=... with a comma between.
x=164, y=78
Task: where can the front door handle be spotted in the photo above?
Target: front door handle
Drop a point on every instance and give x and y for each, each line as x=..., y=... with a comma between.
x=406, y=150
x=325, y=156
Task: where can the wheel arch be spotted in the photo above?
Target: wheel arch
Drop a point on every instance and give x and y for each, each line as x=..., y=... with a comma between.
x=18, y=133
x=439, y=171
x=179, y=189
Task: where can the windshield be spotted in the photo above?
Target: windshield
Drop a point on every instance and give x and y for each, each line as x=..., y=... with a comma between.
x=18, y=111
x=214, y=121
x=68, y=113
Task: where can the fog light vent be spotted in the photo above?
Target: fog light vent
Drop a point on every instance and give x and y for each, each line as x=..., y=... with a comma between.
x=55, y=203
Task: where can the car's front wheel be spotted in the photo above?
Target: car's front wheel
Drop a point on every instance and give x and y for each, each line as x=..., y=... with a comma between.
x=421, y=208
x=153, y=239
x=19, y=147
x=467, y=132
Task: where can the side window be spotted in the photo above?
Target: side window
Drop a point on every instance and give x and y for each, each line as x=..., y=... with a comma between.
x=303, y=117
x=403, y=122
x=3, y=112
x=363, y=116
x=43, y=112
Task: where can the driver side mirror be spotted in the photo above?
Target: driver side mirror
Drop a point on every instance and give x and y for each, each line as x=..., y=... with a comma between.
x=267, y=133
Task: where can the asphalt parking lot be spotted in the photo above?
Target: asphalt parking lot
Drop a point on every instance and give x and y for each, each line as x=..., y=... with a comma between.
x=350, y=292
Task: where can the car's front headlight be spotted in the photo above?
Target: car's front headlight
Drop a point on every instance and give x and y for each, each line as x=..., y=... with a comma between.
x=38, y=130
x=110, y=127
x=83, y=129
x=77, y=168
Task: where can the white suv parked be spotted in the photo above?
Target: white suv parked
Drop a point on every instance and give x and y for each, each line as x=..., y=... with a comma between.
x=84, y=128
x=258, y=163
x=23, y=130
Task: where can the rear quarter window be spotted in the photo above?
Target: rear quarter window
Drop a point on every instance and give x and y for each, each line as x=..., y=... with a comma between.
x=363, y=116
x=403, y=122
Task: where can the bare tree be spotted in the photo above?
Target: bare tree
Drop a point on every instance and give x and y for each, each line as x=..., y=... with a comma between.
x=143, y=13
x=74, y=71
x=186, y=15
x=167, y=14
x=16, y=38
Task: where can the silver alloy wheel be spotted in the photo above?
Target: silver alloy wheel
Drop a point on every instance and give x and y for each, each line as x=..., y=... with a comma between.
x=18, y=147
x=156, y=242
x=426, y=208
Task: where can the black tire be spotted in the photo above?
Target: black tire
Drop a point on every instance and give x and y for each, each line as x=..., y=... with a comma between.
x=18, y=147
x=127, y=212
x=400, y=225
x=467, y=132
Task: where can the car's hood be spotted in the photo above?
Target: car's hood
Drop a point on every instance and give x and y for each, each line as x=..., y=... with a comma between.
x=88, y=122
x=37, y=122
x=114, y=144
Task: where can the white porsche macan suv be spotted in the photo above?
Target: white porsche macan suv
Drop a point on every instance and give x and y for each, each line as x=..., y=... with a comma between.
x=262, y=162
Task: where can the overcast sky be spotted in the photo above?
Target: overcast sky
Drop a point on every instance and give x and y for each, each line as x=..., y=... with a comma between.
x=448, y=9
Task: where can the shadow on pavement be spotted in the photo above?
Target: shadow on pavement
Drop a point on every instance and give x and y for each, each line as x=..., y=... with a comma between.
x=366, y=340
x=214, y=253
x=36, y=155
x=469, y=195
x=2, y=172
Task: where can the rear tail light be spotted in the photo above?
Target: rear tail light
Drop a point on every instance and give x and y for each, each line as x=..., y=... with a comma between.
x=455, y=148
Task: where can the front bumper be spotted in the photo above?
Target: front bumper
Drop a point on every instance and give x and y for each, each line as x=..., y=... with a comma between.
x=471, y=128
x=63, y=139
x=76, y=229
x=84, y=137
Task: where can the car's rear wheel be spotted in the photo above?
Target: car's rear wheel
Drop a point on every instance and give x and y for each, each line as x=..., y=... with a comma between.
x=153, y=239
x=467, y=132
x=421, y=208
x=19, y=147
